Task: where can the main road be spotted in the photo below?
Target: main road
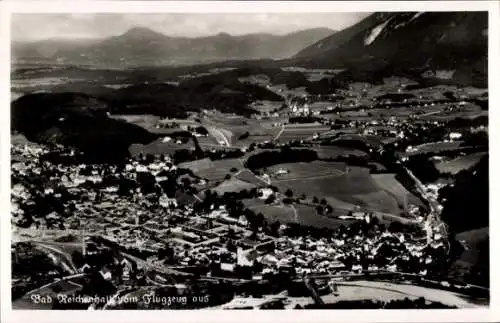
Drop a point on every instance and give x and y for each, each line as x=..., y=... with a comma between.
x=433, y=219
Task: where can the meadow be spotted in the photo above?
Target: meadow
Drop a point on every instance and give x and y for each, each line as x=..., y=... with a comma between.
x=458, y=164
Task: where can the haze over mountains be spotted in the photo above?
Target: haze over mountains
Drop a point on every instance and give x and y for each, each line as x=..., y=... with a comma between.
x=143, y=46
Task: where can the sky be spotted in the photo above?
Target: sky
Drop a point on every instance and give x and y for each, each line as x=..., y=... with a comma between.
x=29, y=27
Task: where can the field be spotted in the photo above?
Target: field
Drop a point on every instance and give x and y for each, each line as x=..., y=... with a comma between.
x=212, y=170
x=146, y=121
x=265, y=106
x=273, y=213
x=391, y=185
x=306, y=170
x=320, y=105
x=301, y=131
x=308, y=216
x=446, y=116
x=369, y=140
x=233, y=127
x=298, y=213
x=460, y=163
x=347, y=190
x=434, y=147
x=158, y=147
x=233, y=185
x=326, y=152
x=249, y=177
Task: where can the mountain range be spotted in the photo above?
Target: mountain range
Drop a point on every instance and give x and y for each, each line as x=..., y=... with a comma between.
x=447, y=45
x=143, y=46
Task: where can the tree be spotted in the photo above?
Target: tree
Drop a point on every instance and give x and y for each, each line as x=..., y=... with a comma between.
x=228, y=176
x=315, y=199
x=323, y=201
x=289, y=193
x=319, y=209
x=274, y=228
x=234, y=170
x=270, y=199
x=395, y=227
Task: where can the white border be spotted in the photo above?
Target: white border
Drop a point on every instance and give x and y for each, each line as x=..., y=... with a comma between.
x=7, y=8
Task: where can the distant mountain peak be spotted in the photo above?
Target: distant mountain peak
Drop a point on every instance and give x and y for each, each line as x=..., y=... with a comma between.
x=142, y=32
x=223, y=34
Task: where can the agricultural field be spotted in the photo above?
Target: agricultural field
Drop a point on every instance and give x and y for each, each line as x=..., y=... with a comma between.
x=159, y=147
x=308, y=216
x=240, y=131
x=326, y=152
x=346, y=191
x=447, y=116
x=146, y=121
x=303, y=214
x=434, y=147
x=273, y=213
x=301, y=131
x=247, y=176
x=370, y=140
x=458, y=164
x=320, y=105
x=265, y=106
x=391, y=185
x=232, y=185
x=257, y=133
x=212, y=170
x=305, y=170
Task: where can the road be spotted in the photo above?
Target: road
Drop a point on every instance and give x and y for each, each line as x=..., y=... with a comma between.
x=279, y=133
x=314, y=292
x=219, y=136
x=433, y=218
x=61, y=253
x=429, y=113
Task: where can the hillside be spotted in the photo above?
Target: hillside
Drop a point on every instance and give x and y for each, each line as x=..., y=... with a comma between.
x=446, y=46
x=141, y=46
x=466, y=203
x=76, y=120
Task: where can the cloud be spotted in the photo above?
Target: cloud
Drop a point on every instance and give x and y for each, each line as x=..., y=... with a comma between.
x=100, y=25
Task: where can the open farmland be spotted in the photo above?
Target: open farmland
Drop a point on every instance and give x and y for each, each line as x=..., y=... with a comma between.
x=458, y=164
x=301, y=214
x=327, y=152
x=159, y=147
x=273, y=213
x=308, y=216
x=233, y=185
x=146, y=121
x=435, y=147
x=247, y=176
x=301, y=131
x=306, y=170
x=239, y=131
x=353, y=188
x=212, y=170
x=256, y=134
x=447, y=116
x=266, y=106
x=391, y=185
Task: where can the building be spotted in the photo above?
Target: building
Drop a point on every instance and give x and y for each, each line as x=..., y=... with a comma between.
x=266, y=192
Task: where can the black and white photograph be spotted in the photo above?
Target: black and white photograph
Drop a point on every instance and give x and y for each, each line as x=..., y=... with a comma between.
x=249, y=160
